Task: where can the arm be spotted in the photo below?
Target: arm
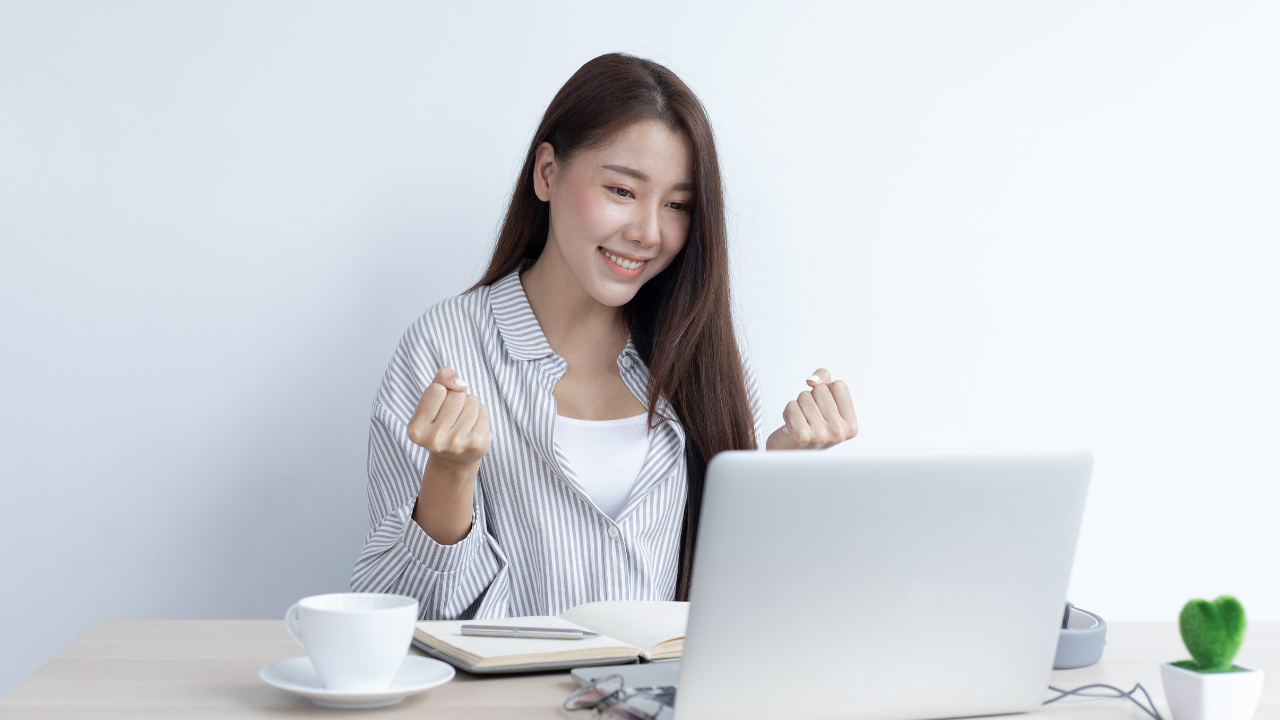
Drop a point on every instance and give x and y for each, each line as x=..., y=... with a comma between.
x=454, y=427
x=428, y=534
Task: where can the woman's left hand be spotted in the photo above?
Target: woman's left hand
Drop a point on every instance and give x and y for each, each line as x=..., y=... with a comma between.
x=818, y=418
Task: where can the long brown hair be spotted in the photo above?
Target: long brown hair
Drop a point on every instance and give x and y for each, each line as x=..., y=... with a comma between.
x=679, y=320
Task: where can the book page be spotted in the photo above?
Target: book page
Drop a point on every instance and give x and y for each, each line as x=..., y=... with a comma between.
x=642, y=623
x=446, y=636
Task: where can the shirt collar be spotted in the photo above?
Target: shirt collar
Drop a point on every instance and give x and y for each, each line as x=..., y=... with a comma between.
x=521, y=333
x=520, y=330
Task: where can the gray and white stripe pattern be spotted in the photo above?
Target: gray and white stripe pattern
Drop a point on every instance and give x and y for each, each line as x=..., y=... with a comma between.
x=538, y=545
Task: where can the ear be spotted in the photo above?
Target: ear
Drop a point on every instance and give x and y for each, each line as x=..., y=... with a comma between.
x=544, y=171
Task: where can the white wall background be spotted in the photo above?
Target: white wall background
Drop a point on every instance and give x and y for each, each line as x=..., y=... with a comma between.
x=1003, y=223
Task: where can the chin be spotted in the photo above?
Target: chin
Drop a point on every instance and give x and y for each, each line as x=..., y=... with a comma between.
x=614, y=294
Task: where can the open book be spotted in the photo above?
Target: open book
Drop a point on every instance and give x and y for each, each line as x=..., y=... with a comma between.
x=652, y=630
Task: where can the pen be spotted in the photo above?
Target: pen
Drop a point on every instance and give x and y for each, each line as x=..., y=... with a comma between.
x=527, y=632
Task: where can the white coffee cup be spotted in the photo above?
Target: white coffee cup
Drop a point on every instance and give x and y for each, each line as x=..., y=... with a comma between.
x=356, y=641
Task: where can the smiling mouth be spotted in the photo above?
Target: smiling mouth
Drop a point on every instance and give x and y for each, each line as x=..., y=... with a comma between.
x=622, y=266
x=623, y=262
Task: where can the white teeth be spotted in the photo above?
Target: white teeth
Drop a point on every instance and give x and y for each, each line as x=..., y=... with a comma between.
x=628, y=264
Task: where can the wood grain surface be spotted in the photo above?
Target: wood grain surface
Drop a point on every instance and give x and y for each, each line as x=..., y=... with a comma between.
x=209, y=669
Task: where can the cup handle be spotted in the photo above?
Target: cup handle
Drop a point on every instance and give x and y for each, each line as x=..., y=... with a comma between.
x=291, y=624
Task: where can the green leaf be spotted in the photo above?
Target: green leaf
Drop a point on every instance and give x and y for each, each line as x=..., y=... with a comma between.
x=1213, y=631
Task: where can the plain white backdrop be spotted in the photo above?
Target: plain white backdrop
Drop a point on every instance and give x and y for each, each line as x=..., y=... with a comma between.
x=1001, y=223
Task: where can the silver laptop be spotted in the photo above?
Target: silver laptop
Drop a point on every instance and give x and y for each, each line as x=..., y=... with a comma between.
x=893, y=586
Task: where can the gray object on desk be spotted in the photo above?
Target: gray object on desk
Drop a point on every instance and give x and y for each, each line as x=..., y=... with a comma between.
x=1080, y=643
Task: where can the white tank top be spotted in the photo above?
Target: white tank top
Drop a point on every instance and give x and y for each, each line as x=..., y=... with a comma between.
x=606, y=455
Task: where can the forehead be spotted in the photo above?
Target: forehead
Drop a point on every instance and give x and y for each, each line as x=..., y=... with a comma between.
x=663, y=155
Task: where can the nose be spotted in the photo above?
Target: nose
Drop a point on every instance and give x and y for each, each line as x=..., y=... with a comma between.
x=644, y=229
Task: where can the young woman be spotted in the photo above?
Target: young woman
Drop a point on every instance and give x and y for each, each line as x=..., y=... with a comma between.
x=601, y=375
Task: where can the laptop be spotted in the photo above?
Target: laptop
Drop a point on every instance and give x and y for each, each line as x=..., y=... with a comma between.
x=878, y=585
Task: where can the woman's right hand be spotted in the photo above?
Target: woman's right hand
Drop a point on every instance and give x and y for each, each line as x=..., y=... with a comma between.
x=451, y=424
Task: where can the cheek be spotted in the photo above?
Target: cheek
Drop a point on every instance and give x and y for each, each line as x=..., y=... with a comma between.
x=587, y=216
x=675, y=233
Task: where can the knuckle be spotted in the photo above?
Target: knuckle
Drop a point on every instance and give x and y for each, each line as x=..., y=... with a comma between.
x=839, y=385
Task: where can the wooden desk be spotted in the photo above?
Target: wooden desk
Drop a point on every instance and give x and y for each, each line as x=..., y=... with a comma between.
x=209, y=669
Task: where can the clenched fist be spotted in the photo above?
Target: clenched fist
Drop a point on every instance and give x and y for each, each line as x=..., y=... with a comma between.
x=817, y=418
x=453, y=425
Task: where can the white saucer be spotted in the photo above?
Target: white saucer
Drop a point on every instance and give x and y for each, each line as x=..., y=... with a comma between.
x=299, y=676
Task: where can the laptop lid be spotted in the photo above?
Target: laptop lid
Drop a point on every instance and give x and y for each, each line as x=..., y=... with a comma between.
x=886, y=585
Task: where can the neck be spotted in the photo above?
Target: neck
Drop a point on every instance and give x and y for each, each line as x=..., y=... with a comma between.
x=570, y=317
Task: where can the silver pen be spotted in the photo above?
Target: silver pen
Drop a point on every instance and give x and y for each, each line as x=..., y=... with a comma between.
x=527, y=632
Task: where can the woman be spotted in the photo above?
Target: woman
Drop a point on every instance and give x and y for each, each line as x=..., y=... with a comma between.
x=601, y=374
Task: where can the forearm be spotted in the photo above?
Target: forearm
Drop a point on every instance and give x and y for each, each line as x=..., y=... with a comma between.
x=444, y=506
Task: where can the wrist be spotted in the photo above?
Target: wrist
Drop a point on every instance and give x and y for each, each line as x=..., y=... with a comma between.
x=444, y=470
x=443, y=508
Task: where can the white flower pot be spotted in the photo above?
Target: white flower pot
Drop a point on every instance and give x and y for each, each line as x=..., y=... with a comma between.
x=1211, y=696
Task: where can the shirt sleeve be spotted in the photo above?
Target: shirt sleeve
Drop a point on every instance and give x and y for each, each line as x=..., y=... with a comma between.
x=458, y=581
x=753, y=398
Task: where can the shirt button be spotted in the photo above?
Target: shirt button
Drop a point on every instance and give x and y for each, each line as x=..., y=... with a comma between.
x=614, y=532
x=626, y=361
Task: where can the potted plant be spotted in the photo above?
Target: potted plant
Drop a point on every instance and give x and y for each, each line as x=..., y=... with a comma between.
x=1210, y=686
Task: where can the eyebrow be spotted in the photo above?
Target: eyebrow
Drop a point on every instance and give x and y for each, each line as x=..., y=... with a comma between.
x=632, y=172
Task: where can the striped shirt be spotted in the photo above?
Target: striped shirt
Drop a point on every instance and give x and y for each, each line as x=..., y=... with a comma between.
x=538, y=545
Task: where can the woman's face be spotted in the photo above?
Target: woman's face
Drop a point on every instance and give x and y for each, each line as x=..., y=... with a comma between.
x=619, y=213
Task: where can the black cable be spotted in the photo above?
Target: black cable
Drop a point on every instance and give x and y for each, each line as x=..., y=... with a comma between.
x=1152, y=711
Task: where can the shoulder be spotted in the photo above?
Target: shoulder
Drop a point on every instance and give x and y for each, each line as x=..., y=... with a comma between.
x=748, y=369
x=459, y=319
x=450, y=330
x=753, y=397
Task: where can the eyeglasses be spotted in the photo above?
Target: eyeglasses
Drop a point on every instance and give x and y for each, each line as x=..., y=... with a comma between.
x=616, y=702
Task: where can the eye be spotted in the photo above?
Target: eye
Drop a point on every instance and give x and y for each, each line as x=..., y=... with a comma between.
x=622, y=192
x=682, y=207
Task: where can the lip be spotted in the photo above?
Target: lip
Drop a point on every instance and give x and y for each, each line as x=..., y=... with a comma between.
x=616, y=269
x=627, y=256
